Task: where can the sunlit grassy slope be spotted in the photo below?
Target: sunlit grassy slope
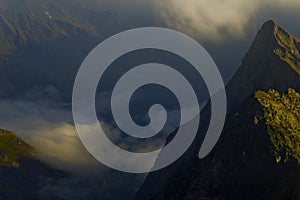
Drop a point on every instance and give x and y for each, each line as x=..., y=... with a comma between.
x=12, y=148
x=288, y=50
x=282, y=116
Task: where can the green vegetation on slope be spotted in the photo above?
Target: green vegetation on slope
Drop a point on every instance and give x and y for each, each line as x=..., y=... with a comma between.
x=288, y=50
x=12, y=148
x=282, y=116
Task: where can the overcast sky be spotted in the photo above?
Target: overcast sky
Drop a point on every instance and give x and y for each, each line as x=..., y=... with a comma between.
x=215, y=19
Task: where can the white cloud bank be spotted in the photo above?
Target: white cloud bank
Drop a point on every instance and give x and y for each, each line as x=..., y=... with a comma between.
x=49, y=130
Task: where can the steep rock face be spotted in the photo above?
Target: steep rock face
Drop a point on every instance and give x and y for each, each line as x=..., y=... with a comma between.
x=242, y=164
x=271, y=62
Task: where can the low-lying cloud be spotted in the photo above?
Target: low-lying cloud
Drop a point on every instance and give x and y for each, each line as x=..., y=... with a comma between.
x=50, y=129
x=47, y=128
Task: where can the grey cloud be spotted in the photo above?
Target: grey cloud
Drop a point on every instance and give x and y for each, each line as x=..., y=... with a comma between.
x=220, y=19
x=214, y=20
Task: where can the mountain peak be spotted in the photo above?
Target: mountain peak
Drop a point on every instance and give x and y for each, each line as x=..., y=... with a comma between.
x=271, y=28
x=282, y=43
x=266, y=34
x=268, y=28
x=270, y=24
x=273, y=61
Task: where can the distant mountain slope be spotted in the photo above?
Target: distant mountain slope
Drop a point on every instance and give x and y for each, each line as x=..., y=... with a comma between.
x=43, y=42
x=22, y=175
x=27, y=21
x=242, y=164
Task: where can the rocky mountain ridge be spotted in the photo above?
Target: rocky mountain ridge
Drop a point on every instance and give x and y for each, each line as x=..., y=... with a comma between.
x=242, y=165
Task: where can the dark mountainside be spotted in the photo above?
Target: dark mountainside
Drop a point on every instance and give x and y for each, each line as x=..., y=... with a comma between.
x=242, y=164
x=22, y=175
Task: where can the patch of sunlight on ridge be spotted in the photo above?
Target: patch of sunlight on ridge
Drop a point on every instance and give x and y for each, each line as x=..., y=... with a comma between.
x=12, y=148
x=282, y=117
